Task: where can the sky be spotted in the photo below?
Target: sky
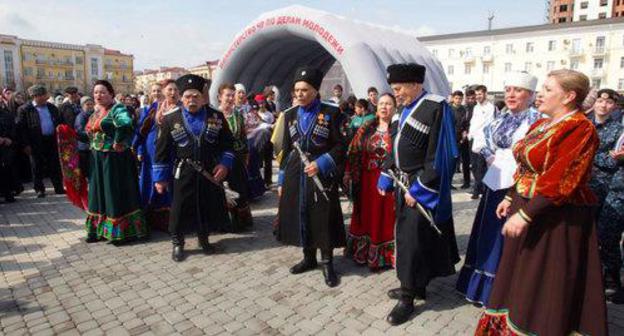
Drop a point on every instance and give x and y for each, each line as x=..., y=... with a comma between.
x=190, y=32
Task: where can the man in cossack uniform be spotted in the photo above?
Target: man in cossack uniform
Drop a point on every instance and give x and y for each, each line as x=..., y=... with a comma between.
x=310, y=216
x=193, y=137
x=423, y=160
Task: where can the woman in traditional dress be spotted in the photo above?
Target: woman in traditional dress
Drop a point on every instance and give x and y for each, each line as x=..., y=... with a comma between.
x=114, y=207
x=549, y=280
x=165, y=98
x=370, y=240
x=359, y=118
x=240, y=214
x=486, y=241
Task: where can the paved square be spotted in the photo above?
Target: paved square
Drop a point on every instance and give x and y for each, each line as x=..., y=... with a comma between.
x=54, y=283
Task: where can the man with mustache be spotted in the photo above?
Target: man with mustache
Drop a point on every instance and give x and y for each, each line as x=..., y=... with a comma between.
x=194, y=135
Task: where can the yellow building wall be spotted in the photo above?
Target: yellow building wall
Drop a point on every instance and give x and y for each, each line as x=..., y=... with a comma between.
x=119, y=70
x=55, y=68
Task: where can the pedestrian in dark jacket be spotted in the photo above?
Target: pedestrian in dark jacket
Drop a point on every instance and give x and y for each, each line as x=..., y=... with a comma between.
x=36, y=129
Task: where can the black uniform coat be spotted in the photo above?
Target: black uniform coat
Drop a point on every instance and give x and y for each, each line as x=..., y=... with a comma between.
x=306, y=218
x=197, y=203
x=422, y=254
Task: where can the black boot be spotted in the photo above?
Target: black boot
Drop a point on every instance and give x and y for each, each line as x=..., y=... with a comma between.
x=307, y=264
x=331, y=279
x=401, y=312
x=178, y=248
x=205, y=245
x=397, y=293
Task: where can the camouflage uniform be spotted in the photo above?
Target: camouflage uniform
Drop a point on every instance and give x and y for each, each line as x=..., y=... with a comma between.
x=608, y=183
x=604, y=165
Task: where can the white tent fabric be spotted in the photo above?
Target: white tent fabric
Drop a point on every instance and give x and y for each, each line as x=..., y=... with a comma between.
x=269, y=49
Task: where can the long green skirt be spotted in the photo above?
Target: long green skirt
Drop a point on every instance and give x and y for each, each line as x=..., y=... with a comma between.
x=114, y=206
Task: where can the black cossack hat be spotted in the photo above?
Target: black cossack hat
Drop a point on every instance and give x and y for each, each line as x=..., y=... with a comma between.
x=406, y=73
x=310, y=75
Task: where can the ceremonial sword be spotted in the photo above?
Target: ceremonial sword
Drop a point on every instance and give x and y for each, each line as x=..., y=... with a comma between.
x=420, y=208
x=230, y=195
x=306, y=162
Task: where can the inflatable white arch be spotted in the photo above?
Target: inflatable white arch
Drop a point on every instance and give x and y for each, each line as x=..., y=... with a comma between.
x=268, y=51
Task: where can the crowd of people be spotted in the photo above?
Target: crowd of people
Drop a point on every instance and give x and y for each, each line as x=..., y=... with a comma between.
x=547, y=165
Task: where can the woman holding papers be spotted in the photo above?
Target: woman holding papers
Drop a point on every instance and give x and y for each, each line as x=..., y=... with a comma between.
x=486, y=241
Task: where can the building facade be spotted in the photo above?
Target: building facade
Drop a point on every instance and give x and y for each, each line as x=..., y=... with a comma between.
x=562, y=11
x=595, y=48
x=26, y=62
x=143, y=79
x=205, y=70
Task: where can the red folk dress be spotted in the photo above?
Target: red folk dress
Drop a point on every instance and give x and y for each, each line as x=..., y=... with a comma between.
x=549, y=279
x=370, y=239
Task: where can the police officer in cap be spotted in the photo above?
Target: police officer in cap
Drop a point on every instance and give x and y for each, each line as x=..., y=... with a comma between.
x=197, y=140
x=423, y=161
x=310, y=215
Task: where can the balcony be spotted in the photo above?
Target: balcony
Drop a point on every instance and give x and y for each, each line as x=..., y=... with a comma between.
x=599, y=51
x=598, y=73
x=40, y=61
x=469, y=58
x=575, y=53
x=487, y=58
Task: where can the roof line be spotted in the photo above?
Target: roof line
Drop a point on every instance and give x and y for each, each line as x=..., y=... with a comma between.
x=515, y=30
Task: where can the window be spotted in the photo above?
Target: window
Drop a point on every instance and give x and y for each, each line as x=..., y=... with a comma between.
x=79, y=75
x=620, y=84
x=507, y=67
x=509, y=48
x=604, y=3
x=563, y=8
x=468, y=52
x=621, y=62
x=28, y=71
x=583, y=18
x=435, y=52
x=450, y=70
x=562, y=20
x=94, y=67
x=40, y=73
x=552, y=45
x=528, y=66
x=467, y=69
x=69, y=74
x=584, y=4
x=598, y=63
x=574, y=65
x=79, y=60
x=9, y=75
x=602, y=15
x=600, y=44
x=451, y=52
x=596, y=83
x=550, y=65
x=487, y=50
x=486, y=68
x=576, y=45
x=530, y=47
